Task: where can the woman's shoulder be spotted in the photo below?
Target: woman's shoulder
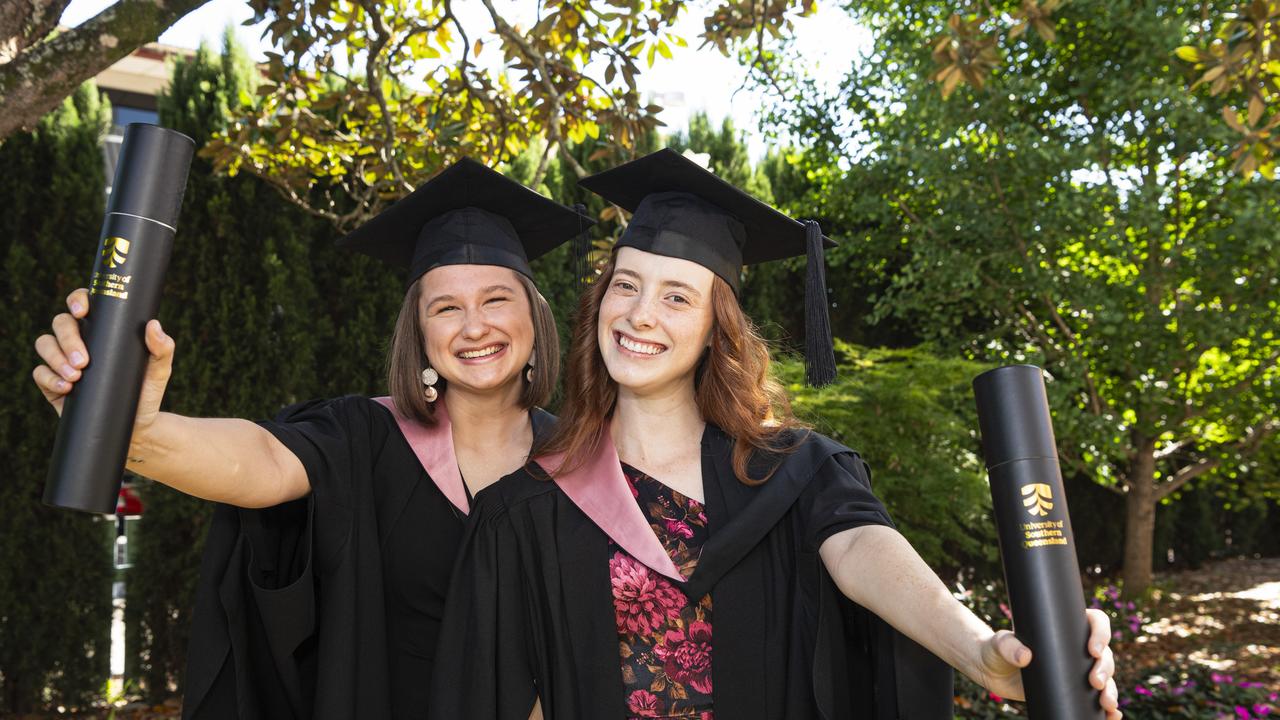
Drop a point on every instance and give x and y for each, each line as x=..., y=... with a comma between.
x=513, y=490
x=815, y=442
x=342, y=407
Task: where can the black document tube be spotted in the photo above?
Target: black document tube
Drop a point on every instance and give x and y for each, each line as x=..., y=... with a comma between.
x=128, y=274
x=1036, y=545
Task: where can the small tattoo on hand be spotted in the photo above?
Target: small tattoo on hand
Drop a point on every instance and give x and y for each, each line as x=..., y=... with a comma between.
x=135, y=460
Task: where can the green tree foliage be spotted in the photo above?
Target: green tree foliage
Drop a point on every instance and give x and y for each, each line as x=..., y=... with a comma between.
x=1239, y=56
x=265, y=312
x=1072, y=211
x=910, y=414
x=55, y=565
x=368, y=98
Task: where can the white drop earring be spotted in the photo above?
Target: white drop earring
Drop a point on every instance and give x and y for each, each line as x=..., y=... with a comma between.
x=429, y=379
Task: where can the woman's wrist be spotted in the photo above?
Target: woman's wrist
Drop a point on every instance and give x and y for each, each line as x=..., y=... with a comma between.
x=147, y=441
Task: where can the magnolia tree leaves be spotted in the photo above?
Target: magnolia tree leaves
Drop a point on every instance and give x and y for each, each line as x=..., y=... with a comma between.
x=1240, y=61
x=366, y=99
x=1237, y=58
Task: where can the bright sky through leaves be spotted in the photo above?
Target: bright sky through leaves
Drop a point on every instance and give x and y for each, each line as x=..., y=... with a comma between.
x=692, y=81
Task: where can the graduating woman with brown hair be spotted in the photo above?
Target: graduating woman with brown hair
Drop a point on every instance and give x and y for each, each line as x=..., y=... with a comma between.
x=682, y=547
x=326, y=570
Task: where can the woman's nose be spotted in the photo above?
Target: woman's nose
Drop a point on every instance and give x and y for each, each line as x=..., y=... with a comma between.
x=641, y=315
x=474, y=326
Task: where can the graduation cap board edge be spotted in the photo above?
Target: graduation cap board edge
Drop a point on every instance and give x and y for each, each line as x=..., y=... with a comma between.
x=468, y=214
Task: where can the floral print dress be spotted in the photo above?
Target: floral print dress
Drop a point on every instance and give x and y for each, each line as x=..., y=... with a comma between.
x=664, y=640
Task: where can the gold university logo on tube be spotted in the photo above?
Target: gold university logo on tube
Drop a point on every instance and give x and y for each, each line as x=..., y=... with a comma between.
x=115, y=250
x=1038, y=498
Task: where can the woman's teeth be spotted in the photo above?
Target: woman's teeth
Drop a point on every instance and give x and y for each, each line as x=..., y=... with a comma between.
x=636, y=346
x=482, y=352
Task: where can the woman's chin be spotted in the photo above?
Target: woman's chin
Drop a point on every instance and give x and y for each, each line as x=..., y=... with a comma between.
x=485, y=383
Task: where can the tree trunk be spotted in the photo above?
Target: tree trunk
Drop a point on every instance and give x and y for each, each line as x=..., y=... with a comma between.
x=40, y=76
x=1140, y=520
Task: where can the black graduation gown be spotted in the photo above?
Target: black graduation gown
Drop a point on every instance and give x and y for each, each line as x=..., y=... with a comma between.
x=328, y=606
x=531, y=603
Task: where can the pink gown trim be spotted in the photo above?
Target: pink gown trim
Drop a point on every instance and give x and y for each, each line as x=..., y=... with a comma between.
x=433, y=444
x=600, y=490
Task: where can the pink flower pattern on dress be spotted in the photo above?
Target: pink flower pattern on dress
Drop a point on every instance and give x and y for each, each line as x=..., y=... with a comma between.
x=642, y=601
x=664, y=640
x=642, y=701
x=686, y=656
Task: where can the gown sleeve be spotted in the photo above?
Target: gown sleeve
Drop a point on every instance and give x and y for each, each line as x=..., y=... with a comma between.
x=321, y=434
x=484, y=668
x=908, y=680
x=840, y=498
x=257, y=596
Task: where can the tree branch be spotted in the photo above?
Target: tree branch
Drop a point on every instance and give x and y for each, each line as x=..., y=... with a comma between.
x=572, y=161
x=24, y=23
x=539, y=61
x=542, y=166
x=1191, y=411
x=1247, y=445
x=39, y=78
x=1095, y=401
x=379, y=41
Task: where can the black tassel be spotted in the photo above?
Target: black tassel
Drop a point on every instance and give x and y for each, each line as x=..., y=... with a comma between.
x=582, y=248
x=820, y=356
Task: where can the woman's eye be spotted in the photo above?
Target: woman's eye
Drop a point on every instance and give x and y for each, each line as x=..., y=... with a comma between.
x=678, y=299
x=499, y=299
x=444, y=309
x=624, y=285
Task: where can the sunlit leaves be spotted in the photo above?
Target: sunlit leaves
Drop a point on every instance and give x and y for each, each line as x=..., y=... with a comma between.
x=965, y=54
x=968, y=49
x=365, y=99
x=1241, y=63
x=1073, y=215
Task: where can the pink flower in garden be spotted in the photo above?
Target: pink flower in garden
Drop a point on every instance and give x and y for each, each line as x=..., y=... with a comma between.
x=994, y=697
x=686, y=656
x=642, y=600
x=641, y=702
x=678, y=528
x=1243, y=712
x=1142, y=691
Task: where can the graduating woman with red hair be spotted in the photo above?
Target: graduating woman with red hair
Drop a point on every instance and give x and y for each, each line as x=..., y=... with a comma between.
x=682, y=547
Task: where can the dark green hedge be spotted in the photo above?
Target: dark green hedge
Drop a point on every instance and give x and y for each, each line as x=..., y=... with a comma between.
x=55, y=566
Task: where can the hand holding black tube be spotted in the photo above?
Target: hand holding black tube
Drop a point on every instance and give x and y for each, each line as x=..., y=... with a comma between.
x=65, y=358
x=136, y=242
x=1005, y=657
x=1036, y=544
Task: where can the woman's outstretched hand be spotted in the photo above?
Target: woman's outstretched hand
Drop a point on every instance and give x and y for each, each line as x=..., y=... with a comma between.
x=65, y=358
x=1004, y=656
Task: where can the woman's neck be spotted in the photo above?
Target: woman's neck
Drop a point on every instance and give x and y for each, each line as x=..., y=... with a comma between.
x=487, y=420
x=661, y=432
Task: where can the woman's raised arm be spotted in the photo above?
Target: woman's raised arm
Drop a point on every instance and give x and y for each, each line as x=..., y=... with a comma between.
x=222, y=459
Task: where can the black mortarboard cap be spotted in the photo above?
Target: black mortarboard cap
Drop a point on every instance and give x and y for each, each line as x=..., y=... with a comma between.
x=466, y=215
x=680, y=209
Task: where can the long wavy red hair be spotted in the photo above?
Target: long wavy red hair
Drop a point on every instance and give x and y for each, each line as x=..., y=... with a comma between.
x=733, y=387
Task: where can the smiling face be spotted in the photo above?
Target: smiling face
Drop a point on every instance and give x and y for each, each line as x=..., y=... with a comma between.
x=478, y=327
x=655, y=321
